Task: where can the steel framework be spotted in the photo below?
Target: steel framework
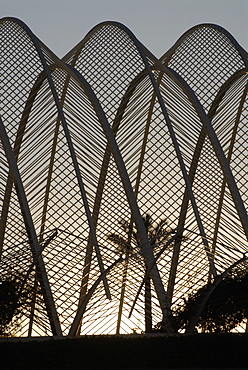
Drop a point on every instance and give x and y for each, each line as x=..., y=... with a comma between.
x=122, y=175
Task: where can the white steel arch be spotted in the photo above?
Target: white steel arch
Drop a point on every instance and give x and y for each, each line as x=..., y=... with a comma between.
x=126, y=168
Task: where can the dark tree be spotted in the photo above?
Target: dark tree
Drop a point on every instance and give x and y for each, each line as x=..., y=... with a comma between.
x=224, y=310
x=15, y=298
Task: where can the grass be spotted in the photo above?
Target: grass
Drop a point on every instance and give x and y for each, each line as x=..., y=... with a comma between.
x=197, y=351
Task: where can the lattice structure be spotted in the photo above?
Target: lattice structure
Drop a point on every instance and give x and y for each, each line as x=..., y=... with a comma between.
x=123, y=177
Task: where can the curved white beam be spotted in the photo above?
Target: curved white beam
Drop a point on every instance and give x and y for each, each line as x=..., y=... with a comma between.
x=45, y=286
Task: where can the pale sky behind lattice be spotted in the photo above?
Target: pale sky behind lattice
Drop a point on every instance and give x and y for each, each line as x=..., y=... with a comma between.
x=156, y=23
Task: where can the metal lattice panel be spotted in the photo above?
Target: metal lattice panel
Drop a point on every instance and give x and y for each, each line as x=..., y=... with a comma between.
x=123, y=184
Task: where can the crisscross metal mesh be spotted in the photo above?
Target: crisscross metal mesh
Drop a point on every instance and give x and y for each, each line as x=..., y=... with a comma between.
x=206, y=59
x=123, y=183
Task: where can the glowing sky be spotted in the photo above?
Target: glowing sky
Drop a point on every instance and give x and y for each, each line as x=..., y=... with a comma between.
x=156, y=23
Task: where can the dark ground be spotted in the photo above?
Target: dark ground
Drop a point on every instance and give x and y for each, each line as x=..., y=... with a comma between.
x=200, y=351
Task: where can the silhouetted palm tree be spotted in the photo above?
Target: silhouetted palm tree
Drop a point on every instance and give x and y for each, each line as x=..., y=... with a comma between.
x=158, y=235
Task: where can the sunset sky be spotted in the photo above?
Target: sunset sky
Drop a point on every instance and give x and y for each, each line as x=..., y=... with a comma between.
x=81, y=188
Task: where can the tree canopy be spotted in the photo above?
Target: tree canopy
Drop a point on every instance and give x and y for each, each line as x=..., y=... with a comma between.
x=14, y=300
x=226, y=307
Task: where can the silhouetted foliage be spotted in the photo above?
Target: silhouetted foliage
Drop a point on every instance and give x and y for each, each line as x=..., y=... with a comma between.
x=158, y=235
x=226, y=307
x=14, y=299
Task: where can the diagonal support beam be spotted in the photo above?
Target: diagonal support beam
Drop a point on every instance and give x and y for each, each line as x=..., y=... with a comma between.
x=45, y=286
